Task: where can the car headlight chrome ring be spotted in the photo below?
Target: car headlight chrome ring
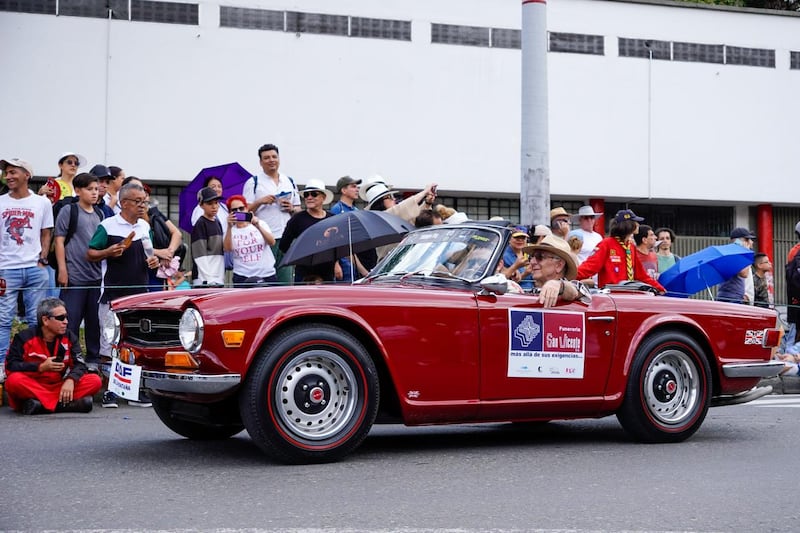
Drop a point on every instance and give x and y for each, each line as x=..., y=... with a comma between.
x=190, y=330
x=111, y=328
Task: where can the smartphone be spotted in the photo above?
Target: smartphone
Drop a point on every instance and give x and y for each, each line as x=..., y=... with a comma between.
x=59, y=358
x=242, y=216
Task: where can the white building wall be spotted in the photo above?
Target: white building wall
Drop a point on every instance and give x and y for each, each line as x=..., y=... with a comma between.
x=184, y=97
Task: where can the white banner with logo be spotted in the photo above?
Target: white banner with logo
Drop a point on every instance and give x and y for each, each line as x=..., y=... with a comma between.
x=124, y=379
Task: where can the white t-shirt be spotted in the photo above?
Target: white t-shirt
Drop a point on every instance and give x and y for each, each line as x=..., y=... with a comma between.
x=251, y=255
x=272, y=214
x=590, y=241
x=22, y=222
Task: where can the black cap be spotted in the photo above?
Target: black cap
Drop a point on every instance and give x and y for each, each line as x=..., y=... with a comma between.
x=207, y=194
x=742, y=233
x=100, y=172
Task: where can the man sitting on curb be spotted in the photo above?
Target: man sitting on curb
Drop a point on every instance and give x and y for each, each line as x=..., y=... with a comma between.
x=46, y=371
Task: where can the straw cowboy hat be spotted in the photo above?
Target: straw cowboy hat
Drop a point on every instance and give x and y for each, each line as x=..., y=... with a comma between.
x=556, y=246
x=318, y=185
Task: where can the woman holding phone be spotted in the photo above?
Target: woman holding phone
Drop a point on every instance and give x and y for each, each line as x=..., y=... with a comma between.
x=249, y=239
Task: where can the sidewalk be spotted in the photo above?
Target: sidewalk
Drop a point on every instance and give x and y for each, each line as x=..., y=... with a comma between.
x=783, y=384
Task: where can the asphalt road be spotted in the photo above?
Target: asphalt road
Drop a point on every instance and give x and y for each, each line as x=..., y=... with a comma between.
x=122, y=470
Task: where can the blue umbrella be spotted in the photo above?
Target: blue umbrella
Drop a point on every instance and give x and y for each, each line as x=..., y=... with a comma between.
x=232, y=175
x=704, y=269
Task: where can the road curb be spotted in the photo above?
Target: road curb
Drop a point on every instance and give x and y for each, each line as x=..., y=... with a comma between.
x=783, y=384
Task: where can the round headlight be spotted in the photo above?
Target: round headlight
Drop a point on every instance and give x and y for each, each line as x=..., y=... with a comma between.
x=111, y=329
x=190, y=330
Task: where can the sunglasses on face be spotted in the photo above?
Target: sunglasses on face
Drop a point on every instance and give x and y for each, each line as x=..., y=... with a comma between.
x=238, y=209
x=71, y=162
x=541, y=256
x=60, y=318
x=312, y=194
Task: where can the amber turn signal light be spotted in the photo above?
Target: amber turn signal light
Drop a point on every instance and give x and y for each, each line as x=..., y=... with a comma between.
x=232, y=338
x=180, y=360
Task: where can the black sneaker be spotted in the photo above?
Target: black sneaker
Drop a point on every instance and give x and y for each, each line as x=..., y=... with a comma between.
x=32, y=406
x=110, y=399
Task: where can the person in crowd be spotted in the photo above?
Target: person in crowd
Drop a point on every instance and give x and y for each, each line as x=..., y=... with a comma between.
x=761, y=265
x=428, y=217
x=538, y=232
x=735, y=289
x=68, y=165
x=103, y=175
x=791, y=341
x=665, y=238
x=207, y=242
x=222, y=215
x=614, y=260
x=123, y=246
x=559, y=222
x=553, y=270
x=645, y=240
x=46, y=371
x=24, y=245
x=315, y=196
x=78, y=277
x=273, y=198
x=249, y=241
x=515, y=264
x=111, y=197
x=575, y=242
x=587, y=218
x=347, y=188
x=178, y=281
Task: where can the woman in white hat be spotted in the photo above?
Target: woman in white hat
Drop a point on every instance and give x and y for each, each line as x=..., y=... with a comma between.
x=68, y=165
x=381, y=197
x=315, y=196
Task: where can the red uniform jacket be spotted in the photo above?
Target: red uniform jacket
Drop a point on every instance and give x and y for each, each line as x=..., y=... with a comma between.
x=608, y=261
x=28, y=350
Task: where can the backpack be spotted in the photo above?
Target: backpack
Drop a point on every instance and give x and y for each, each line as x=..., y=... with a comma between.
x=161, y=234
x=71, y=204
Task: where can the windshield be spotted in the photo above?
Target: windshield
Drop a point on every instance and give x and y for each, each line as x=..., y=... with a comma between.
x=463, y=252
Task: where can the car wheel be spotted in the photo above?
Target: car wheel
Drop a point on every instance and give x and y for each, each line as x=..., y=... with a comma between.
x=311, y=396
x=199, y=429
x=668, y=390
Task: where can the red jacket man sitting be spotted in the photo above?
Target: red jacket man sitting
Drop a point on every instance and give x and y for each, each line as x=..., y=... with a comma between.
x=45, y=367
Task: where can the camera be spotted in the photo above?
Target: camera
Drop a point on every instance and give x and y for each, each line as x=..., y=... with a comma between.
x=243, y=216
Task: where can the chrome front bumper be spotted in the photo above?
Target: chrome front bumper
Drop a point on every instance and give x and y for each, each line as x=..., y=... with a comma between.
x=189, y=383
x=761, y=369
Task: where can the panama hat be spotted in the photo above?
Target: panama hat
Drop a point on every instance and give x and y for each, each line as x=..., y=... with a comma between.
x=586, y=211
x=376, y=192
x=318, y=185
x=556, y=246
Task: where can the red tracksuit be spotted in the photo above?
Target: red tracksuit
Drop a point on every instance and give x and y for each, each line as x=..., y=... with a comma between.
x=27, y=351
x=609, y=262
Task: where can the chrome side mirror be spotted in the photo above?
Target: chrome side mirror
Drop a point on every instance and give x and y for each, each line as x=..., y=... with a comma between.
x=497, y=284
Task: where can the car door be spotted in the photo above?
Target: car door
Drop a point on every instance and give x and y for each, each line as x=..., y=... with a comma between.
x=528, y=352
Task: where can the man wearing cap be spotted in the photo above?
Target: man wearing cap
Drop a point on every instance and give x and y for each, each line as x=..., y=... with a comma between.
x=103, y=175
x=736, y=289
x=553, y=270
x=614, y=260
x=347, y=188
x=586, y=218
x=27, y=222
x=273, y=198
x=559, y=222
x=315, y=195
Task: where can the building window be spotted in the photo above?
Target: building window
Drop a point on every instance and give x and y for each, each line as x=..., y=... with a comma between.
x=398, y=30
x=754, y=57
x=250, y=19
x=644, y=47
x=698, y=52
x=316, y=23
x=42, y=7
x=465, y=35
x=794, y=60
x=506, y=38
x=577, y=43
x=166, y=12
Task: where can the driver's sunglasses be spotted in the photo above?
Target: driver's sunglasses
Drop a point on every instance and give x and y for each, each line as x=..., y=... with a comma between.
x=312, y=194
x=541, y=256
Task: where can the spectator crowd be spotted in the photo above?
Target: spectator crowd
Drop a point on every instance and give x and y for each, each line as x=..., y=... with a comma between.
x=86, y=238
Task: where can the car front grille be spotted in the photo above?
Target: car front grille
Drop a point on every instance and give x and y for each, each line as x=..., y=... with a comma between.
x=151, y=328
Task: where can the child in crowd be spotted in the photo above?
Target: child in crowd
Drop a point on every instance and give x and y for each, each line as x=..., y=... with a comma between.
x=207, y=237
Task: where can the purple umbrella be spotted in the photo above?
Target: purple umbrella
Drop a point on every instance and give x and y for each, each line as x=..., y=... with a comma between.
x=232, y=176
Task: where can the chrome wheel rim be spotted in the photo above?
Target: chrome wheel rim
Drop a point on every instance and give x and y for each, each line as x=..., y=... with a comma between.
x=316, y=395
x=672, y=387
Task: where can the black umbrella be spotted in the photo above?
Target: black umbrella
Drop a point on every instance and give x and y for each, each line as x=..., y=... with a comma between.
x=343, y=235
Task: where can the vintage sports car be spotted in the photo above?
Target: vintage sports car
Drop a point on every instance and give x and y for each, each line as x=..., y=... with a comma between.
x=434, y=336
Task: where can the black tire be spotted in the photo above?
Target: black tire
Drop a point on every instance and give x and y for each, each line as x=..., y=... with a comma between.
x=199, y=429
x=668, y=391
x=311, y=396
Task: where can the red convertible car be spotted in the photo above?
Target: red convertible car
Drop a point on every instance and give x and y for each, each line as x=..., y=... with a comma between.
x=434, y=336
